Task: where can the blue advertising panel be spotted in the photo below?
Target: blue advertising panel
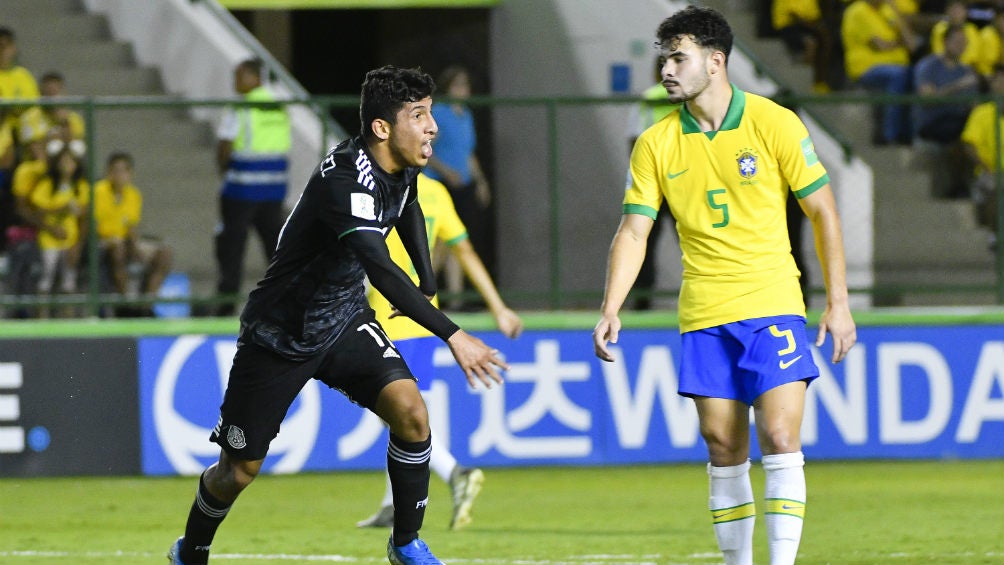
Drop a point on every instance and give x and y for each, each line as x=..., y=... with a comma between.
x=928, y=392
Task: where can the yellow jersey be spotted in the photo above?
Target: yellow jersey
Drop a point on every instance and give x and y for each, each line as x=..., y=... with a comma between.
x=727, y=190
x=981, y=133
x=989, y=51
x=17, y=83
x=115, y=216
x=53, y=201
x=785, y=12
x=442, y=224
x=26, y=176
x=860, y=24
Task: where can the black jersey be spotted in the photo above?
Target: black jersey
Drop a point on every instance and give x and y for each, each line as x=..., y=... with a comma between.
x=314, y=285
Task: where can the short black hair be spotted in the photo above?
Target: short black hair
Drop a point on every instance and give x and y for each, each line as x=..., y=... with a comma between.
x=386, y=90
x=254, y=64
x=7, y=33
x=52, y=75
x=119, y=156
x=706, y=26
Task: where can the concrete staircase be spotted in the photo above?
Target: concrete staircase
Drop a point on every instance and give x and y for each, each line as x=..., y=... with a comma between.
x=174, y=154
x=920, y=238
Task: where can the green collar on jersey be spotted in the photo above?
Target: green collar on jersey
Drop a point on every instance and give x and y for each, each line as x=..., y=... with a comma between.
x=731, y=121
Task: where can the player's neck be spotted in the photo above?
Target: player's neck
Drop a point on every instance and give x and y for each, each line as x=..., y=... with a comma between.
x=710, y=107
x=383, y=157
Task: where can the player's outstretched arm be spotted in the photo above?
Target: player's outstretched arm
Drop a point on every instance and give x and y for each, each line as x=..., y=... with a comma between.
x=627, y=252
x=821, y=209
x=507, y=321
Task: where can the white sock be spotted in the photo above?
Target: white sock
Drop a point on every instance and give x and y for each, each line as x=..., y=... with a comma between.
x=732, y=512
x=785, y=497
x=388, y=494
x=441, y=461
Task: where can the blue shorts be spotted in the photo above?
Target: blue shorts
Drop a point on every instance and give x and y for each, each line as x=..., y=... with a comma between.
x=742, y=360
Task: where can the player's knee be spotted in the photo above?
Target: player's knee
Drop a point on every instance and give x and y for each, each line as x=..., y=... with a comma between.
x=780, y=439
x=235, y=475
x=725, y=448
x=411, y=422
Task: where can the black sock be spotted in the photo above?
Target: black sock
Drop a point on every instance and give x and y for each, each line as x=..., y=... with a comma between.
x=205, y=516
x=408, y=467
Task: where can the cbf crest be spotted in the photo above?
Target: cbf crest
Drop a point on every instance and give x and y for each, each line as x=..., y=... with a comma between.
x=747, y=161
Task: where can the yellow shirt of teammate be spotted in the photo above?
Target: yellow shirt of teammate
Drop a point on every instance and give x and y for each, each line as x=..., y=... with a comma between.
x=442, y=224
x=727, y=190
x=115, y=217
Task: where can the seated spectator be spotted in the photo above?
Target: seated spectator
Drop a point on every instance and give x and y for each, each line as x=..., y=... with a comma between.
x=800, y=24
x=62, y=197
x=980, y=143
x=877, y=46
x=7, y=162
x=22, y=233
x=957, y=14
x=118, y=208
x=63, y=122
x=991, y=39
x=944, y=74
x=941, y=123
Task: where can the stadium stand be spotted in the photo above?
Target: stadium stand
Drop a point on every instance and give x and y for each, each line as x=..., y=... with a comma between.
x=173, y=150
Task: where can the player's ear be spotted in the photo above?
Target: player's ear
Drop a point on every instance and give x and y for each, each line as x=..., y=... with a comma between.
x=381, y=128
x=718, y=61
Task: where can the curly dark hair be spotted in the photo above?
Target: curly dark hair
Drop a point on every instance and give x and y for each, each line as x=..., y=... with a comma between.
x=386, y=90
x=706, y=26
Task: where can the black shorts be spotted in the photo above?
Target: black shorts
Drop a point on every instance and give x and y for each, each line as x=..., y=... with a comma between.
x=263, y=384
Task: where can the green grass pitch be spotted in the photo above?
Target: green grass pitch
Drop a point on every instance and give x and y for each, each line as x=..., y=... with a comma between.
x=858, y=513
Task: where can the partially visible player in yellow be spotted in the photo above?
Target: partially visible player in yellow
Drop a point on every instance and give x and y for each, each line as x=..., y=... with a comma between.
x=725, y=162
x=443, y=225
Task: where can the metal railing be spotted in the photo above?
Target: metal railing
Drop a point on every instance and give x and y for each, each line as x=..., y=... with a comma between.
x=553, y=290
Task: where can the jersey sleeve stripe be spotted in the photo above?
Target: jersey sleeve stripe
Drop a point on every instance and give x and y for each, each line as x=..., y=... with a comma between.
x=456, y=240
x=813, y=187
x=641, y=209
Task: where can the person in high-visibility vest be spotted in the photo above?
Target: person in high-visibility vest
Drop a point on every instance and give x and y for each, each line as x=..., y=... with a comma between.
x=252, y=155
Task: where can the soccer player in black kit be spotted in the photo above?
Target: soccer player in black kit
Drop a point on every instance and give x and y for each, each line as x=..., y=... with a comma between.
x=309, y=318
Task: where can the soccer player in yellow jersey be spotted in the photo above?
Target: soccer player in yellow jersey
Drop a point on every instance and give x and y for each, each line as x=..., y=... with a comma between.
x=725, y=162
x=443, y=225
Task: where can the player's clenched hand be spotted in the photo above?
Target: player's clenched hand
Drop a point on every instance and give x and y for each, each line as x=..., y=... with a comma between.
x=479, y=362
x=509, y=323
x=606, y=331
x=839, y=323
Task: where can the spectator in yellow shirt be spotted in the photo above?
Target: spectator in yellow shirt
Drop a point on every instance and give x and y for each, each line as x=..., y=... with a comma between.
x=63, y=122
x=61, y=196
x=980, y=143
x=800, y=24
x=991, y=38
x=16, y=82
x=118, y=208
x=877, y=46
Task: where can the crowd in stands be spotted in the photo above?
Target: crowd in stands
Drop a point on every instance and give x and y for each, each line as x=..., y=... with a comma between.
x=948, y=50
x=45, y=198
